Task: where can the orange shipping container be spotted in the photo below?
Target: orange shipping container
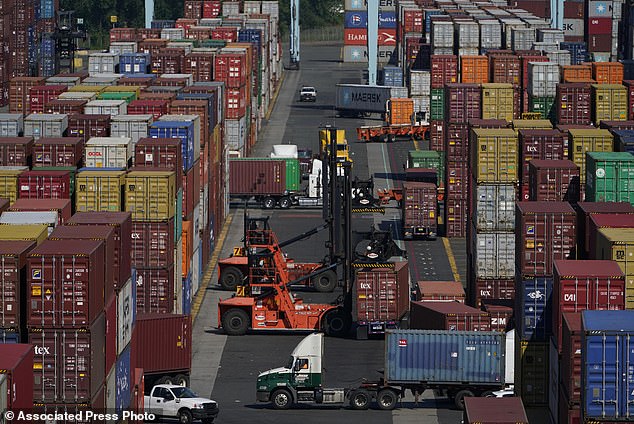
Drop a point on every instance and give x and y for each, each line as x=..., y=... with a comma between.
x=474, y=69
x=400, y=111
x=188, y=246
x=583, y=71
x=581, y=80
x=607, y=72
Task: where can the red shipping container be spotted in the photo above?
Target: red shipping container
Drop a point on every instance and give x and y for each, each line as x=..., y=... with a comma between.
x=437, y=135
x=440, y=291
x=501, y=315
x=65, y=106
x=539, y=144
x=412, y=47
x=545, y=231
x=19, y=97
x=455, y=216
x=158, y=153
x=97, y=404
x=235, y=103
x=12, y=284
x=15, y=151
x=57, y=300
x=570, y=365
x=69, y=365
x=457, y=180
x=200, y=65
x=554, y=180
x=146, y=107
x=152, y=244
x=505, y=69
x=457, y=142
x=452, y=316
x=157, y=95
x=168, y=61
x=419, y=208
x=630, y=98
x=151, y=45
x=44, y=185
x=489, y=123
x=617, y=125
x=525, y=60
x=211, y=9
x=599, y=26
x=231, y=69
x=193, y=9
x=134, y=81
x=16, y=363
x=191, y=189
x=170, y=82
x=88, y=126
x=412, y=20
x=586, y=285
x=355, y=36
x=599, y=43
x=229, y=34
x=185, y=23
x=573, y=104
x=462, y=102
x=569, y=412
x=599, y=221
x=122, y=224
x=111, y=332
x=574, y=10
x=61, y=151
x=444, y=70
x=155, y=290
x=194, y=107
x=586, y=209
x=487, y=290
x=42, y=94
x=61, y=206
x=123, y=34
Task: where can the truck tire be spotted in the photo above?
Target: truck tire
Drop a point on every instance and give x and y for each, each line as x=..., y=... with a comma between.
x=268, y=203
x=235, y=322
x=386, y=399
x=281, y=399
x=336, y=323
x=360, y=400
x=325, y=282
x=185, y=417
x=285, y=202
x=168, y=379
x=181, y=380
x=231, y=278
x=459, y=398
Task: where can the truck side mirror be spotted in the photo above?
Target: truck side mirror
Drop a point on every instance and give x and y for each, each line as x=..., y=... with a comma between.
x=297, y=366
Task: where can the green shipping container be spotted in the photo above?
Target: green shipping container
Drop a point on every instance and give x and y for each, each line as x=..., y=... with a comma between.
x=213, y=43
x=609, y=177
x=128, y=96
x=437, y=104
x=542, y=105
x=427, y=159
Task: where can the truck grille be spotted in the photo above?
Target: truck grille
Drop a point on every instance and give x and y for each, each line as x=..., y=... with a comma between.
x=210, y=406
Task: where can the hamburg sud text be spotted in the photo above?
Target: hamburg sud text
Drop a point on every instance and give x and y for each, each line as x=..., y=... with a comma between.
x=80, y=416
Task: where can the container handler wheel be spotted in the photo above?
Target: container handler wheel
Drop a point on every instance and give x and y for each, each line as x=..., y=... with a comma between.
x=459, y=399
x=268, y=203
x=386, y=399
x=336, y=323
x=231, y=278
x=181, y=380
x=235, y=322
x=359, y=400
x=325, y=282
x=281, y=399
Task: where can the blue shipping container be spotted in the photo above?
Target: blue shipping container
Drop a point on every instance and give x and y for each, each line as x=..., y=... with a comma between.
x=9, y=336
x=134, y=63
x=220, y=95
x=47, y=57
x=251, y=36
x=355, y=20
x=123, y=381
x=445, y=356
x=133, y=75
x=164, y=23
x=392, y=76
x=211, y=105
x=533, y=298
x=578, y=51
x=182, y=130
x=47, y=9
x=607, y=364
x=387, y=20
x=187, y=294
x=428, y=15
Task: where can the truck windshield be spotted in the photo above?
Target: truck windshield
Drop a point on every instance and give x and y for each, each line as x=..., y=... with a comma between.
x=183, y=393
x=289, y=364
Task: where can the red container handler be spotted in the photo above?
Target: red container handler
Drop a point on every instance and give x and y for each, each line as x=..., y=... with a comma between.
x=570, y=365
x=501, y=315
x=66, y=283
x=12, y=282
x=42, y=94
x=58, y=151
x=598, y=221
x=573, y=104
x=15, y=151
x=65, y=106
x=462, y=102
x=69, y=364
x=16, y=363
x=61, y=206
x=152, y=244
x=554, y=180
x=87, y=126
x=155, y=290
x=539, y=144
x=585, y=209
x=444, y=70
x=154, y=107
x=44, y=185
x=456, y=142
x=505, y=69
x=586, y=285
x=440, y=291
x=452, y=316
x=545, y=231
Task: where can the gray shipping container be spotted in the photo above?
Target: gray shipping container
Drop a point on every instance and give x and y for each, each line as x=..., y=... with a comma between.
x=173, y=33
x=133, y=126
x=102, y=63
x=560, y=57
x=50, y=218
x=543, y=79
x=419, y=83
x=494, y=254
x=522, y=38
x=545, y=46
x=468, y=34
x=365, y=98
x=11, y=124
x=235, y=133
x=490, y=34
x=121, y=47
x=45, y=125
x=445, y=357
x=550, y=35
x=494, y=207
x=106, y=107
x=69, y=81
x=442, y=34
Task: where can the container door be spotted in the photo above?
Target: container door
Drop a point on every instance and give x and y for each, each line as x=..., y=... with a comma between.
x=627, y=371
x=602, y=380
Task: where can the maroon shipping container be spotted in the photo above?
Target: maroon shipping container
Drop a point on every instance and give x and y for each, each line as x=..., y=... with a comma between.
x=453, y=316
x=97, y=404
x=545, y=231
x=235, y=102
x=573, y=104
x=457, y=180
x=570, y=365
x=501, y=315
x=158, y=153
x=42, y=94
x=146, y=94
x=585, y=209
x=617, y=125
x=58, y=151
x=153, y=45
x=88, y=126
x=489, y=123
x=229, y=34
x=44, y=185
x=419, y=210
x=598, y=221
x=490, y=410
x=539, y=144
x=570, y=412
x=15, y=151
x=194, y=107
x=457, y=142
x=169, y=334
x=16, y=363
x=505, y=69
x=168, y=61
x=96, y=232
x=482, y=290
x=61, y=206
x=135, y=81
x=155, y=290
x=191, y=189
x=170, y=82
x=455, y=216
x=444, y=70
x=68, y=365
x=599, y=42
x=65, y=106
x=4, y=204
x=413, y=20
x=462, y=102
x=251, y=177
x=13, y=282
x=554, y=180
x=123, y=34
x=437, y=135
x=122, y=224
x=381, y=295
x=143, y=107
x=630, y=98
x=586, y=285
x=440, y=291
x=111, y=332
x=200, y=65
x=152, y=244
x=525, y=60
x=19, y=97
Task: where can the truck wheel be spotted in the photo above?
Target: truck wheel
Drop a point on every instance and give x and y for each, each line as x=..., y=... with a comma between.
x=336, y=323
x=359, y=400
x=281, y=399
x=459, y=399
x=235, y=322
x=268, y=203
x=168, y=380
x=181, y=380
x=325, y=282
x=285, y=203
x=231, y=278
x=184, y=416
x=386, y=399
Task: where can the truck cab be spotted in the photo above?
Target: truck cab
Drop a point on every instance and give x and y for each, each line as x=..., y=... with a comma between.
x=343, y=153
x=307, y=94
x=171, y=401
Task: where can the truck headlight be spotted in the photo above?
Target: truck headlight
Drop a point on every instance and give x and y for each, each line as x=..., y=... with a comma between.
x=197, y=406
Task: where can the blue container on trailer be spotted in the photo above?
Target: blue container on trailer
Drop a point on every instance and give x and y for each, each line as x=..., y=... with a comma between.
x=211, y=105
x=533, y=308
x=47, y=9
x=9, y=336
x=392, y=76
x=134, y=63
x=187, y=294
x=578, y=51
x=445, y=356
x=123, y=383
x=162, y=23
x=607, y=365
x=177, y=129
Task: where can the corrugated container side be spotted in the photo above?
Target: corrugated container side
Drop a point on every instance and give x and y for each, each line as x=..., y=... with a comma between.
x=570, y=368
x=617, y=244
x=169, y=334
x=16, y=364
x=381, y=295
x=531, y=371
x=451, y=316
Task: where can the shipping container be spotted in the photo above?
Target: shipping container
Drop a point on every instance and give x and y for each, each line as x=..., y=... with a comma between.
x=570, y=365
x=13, y=266
x=608, y=220
x=444, y=70
x=108, y=152
x=106, y=107
x=16, y=363
x=87, y=126
x=428, y=159
x=154, y=107
x=617, y=244
x=531, y=371
x=44, y=184
x=610, y=177
x=153, y=243
x=582, y=141
x=453, y=316
x=65, y=106
x=495, y=152
x=99, y=190
x=440, y=291
x=419, y=210
x=45, y=125
x=156, y=288
x=500, y=314
x=553, y=181
x=65, y=151
x=493, y=254
x=505, y=68
x=11, y=124
x=15, y=151
x=462, y=102
x=543, y=78
x=493, y=207
x=610, y=102
x=498, y=101
x=507, y=410
x=50, y=218
x=158, y=153
x=250, y=177
x=574, y=104
x=474, y=69
x=586, y=210
x=607, y=72
x=149, y=195
x=539, y=144
x=132, y=126
x=182, y=130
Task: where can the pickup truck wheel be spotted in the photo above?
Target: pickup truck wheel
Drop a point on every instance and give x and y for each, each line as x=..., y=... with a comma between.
x=235, y=322
x=231, y=278
x=386, y=399
x=185, y=417
x=285, y=203
x=360, y=400
x=268, y=203
x=325, y=282
x=459, y=399
x=281, y=399
x=181, y=380
x=336, y=323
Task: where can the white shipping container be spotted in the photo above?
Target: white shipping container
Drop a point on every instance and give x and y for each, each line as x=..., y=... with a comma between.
x=271, y=8
x=101, y=80
x=494, y=254
x=78, y=95
x=204, y=211
x=11, y=124
x=102, y=62
x=509, y=25
x=106, y=107
x=121, y=47
x=494, y=207
x=108, y=152
x=442, y=50
x=522, y=38
x=251, y=7
x=212, y=22
x=173, y=33
x=235, y=133
x=230, y=8
x=126, y=315
x=490, y=34
x=189, y=77
x=550, y=35
x=188, y=118
x=195, y=272
x=442, y=34
x=468, y=34
x=45, y=125
x=542, y=79
x=560, y=57
x=419, y=83
x=545, y=46
x=133, y=126
x=468, y=51
x=69, y=81
x=111, y=388
x=50, y=218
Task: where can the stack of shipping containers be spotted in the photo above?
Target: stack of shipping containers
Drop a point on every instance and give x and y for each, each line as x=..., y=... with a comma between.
x=355, y=33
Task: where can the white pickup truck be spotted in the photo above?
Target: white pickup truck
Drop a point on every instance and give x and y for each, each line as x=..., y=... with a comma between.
x=307, y=94
x=171, y=401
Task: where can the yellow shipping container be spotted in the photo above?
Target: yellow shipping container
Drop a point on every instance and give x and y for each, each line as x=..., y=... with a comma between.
x=617, y=244
x=610, y=102
x=217, y=146
x=9, y=182
x=99, y=191
x=494, y=155
x=531, y=371
x=532, y=124
x=150, y=195
x=88, y=88
x=582, y=141
x=37, y=232
x=497, y=101
x=123, y=89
